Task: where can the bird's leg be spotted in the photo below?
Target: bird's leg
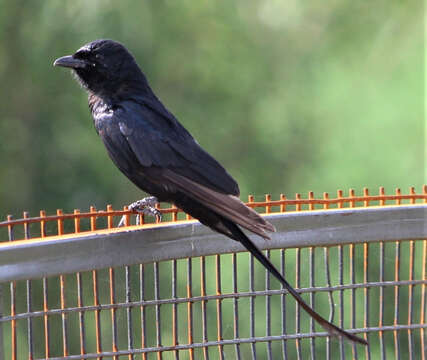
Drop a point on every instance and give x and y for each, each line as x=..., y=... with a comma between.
x=143, y=206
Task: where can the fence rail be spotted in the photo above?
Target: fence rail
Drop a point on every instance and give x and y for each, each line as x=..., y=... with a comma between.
x=42, y=257
x=77, y=287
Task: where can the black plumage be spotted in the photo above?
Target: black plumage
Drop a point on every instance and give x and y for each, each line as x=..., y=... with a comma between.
x=150, y=146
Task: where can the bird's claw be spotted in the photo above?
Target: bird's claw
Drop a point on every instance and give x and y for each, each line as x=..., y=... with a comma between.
x=143, y=206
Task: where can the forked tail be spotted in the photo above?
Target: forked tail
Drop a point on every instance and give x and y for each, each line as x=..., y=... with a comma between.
x=251, y=247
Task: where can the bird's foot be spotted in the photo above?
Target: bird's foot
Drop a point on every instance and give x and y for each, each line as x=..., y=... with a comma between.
x=143, y=206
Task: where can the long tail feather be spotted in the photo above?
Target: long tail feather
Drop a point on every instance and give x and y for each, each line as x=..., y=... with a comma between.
x=251, y=247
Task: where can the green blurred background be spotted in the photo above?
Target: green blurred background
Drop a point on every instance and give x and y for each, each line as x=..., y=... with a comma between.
x=289, y=96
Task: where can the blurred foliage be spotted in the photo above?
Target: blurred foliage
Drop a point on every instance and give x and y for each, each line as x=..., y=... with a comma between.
x=289, y=96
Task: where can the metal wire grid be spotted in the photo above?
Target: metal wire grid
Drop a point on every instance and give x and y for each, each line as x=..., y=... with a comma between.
x=131, y=312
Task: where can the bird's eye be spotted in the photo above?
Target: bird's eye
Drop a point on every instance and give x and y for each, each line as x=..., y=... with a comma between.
x=81, y=54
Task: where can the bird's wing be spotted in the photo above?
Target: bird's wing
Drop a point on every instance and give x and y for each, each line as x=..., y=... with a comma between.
x=228, y=206
x=159, y=141
x=171, y=156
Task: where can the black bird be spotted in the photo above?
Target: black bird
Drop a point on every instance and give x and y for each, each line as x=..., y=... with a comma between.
x=150, y=146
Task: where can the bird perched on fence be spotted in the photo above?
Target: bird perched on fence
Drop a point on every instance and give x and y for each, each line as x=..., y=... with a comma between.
x=150, y=146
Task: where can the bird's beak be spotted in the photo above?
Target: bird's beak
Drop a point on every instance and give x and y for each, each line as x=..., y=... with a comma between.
x=70, y=62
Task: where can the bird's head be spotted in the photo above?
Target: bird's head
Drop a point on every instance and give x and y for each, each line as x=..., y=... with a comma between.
x=104, y=67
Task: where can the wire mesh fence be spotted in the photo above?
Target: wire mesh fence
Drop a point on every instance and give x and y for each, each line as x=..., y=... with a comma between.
x=77, y=287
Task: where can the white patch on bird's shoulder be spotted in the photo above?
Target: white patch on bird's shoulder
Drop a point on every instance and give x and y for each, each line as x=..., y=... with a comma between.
x=102, y=112
x=124, y=129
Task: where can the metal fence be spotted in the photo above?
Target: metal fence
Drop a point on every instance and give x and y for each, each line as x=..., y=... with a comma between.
x=77, y=287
